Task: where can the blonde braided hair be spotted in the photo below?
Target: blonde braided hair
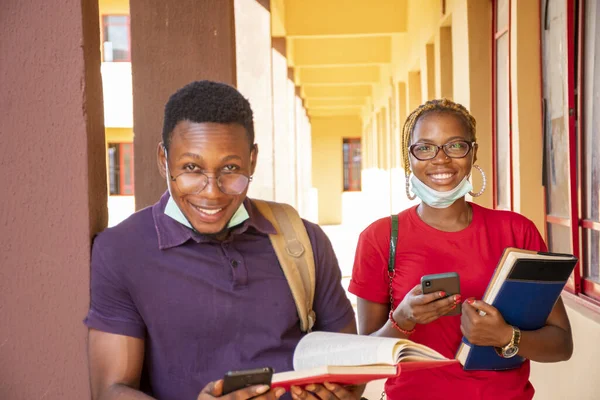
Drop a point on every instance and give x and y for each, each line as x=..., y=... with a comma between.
x=440, y=106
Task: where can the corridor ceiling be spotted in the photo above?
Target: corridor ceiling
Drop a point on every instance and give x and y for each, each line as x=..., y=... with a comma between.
x=339, y=49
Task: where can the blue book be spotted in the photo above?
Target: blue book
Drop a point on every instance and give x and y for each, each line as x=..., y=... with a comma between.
x=524, y=288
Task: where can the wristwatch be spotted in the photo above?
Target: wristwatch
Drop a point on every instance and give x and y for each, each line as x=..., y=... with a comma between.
x=512, y=348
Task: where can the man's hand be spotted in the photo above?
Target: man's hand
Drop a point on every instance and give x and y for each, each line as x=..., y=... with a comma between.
x=215, y=390
x=327, y=391
x=483, y=325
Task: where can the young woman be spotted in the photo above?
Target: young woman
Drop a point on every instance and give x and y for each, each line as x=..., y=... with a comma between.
x=445, y=233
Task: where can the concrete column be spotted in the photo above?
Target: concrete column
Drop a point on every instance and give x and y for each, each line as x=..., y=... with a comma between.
x=174, y=43
x=254, y=80
x=414, y=90
x=364, y=141
x=381, y=138
x=54, y=180
x=480, y=89
x=291, y=120
x=430, y=78
x=526, y=113
x=444, y=58
x=303, y=157
x=402, y=106
x=397, y=172
x=283, y=139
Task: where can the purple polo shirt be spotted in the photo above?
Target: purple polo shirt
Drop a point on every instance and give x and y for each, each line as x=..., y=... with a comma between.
x=205, y=307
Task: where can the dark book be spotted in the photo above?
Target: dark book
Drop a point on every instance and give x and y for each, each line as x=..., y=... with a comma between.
x=524, y=288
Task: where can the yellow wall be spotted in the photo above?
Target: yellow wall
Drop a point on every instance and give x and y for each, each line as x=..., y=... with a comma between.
x=327, y=162
x=118, y=135
x=446, y=56
x=578, y=377
x=113, y=7
x=315, y=17
x=434, y=55
x=527, y=143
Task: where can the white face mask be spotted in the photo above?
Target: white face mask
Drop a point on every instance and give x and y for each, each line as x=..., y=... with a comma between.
x=172, y=209
x=437, y=199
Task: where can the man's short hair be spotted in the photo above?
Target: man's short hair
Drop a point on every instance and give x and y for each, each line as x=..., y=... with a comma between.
x=207, y=101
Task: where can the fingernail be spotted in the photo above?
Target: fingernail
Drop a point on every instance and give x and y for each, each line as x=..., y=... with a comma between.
x=297, y=390
x=471, y=300
x=453, y=307
x=442, y=294
x=457, y=298
x=310, y=388
x=262, y=389
x=329, y=386
x=279, y=392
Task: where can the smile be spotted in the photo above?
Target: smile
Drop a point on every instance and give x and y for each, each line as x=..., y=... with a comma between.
x=208, y=214
x=442, y=178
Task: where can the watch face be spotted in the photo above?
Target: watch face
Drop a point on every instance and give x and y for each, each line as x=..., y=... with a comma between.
x=510, y=352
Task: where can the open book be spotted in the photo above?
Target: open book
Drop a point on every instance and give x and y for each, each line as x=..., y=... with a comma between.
x=524, y=288
x=352, y=359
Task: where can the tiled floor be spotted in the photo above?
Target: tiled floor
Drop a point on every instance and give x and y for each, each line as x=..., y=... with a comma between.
x=344, y=239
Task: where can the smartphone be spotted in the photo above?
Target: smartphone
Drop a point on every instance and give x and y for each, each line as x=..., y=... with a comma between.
x=448, y=282
x=236, y=380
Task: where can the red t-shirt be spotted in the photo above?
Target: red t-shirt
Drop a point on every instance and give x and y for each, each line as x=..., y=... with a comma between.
x=473, y=253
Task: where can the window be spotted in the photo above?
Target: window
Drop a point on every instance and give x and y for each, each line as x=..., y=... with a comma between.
x=115, y=38
x=571, y=66
x=589, y=161
x=502, y=154
x=352, y=165
x=120, y=168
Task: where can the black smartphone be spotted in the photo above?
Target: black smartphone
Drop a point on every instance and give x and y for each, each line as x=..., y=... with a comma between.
x=236, y=380
x=448, y=282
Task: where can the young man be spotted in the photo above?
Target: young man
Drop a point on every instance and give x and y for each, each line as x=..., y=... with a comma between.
x=191, y=287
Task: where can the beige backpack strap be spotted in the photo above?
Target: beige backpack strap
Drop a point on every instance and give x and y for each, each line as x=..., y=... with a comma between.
x=295, y=254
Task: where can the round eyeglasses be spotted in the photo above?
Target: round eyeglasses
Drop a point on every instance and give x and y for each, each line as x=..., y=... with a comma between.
x=428, y=151
x=195, y=182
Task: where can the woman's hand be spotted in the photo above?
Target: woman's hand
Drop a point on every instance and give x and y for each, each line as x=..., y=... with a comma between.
x=483, y=325
x=327, y=391
x=419, y=308
x=215, y=390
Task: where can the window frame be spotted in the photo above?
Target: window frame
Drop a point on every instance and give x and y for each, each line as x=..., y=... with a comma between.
x=122, y=150
x=574, y=283
x=496, y=35
x=579, y=288
x=104, y=31
x=589, y=289
x=353, y=143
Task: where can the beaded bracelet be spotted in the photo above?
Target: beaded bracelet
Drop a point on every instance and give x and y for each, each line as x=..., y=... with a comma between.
x=395, y=325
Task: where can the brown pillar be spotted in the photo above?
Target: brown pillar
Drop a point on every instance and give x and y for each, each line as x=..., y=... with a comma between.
x=172, y=44
x=54, y=185
x=176, y=42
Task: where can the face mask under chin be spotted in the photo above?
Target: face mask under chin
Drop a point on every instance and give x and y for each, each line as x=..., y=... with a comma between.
x=437, y=199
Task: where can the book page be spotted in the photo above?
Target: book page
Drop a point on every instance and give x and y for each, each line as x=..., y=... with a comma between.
x=411, y=351
x=327, y=348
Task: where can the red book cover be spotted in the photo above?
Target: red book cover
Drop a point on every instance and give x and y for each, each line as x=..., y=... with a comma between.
x=350, y=375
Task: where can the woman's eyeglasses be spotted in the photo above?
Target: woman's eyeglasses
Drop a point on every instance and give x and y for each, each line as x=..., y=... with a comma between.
x=428, y=151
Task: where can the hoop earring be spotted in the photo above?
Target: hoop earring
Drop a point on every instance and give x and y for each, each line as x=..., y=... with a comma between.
x=407, y=180
x=477, y=167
